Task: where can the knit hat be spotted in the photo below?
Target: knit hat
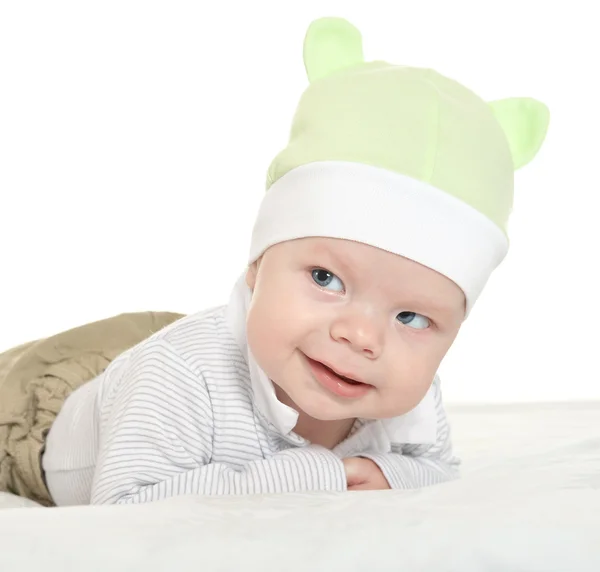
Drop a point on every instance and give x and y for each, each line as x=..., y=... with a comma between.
x=400, y=158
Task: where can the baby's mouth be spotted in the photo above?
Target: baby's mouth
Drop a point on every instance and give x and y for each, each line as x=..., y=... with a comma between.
x=343, y=377
x=337, y=383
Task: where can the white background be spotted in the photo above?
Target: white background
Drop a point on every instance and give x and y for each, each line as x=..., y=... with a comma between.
x=135, y=139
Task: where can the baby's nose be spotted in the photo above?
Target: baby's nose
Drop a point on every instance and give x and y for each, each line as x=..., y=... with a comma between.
x=362, y=334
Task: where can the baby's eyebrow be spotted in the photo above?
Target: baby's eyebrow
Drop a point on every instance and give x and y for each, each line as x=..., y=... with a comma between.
x=326, y=252
x=418, y=303
x=429, y=307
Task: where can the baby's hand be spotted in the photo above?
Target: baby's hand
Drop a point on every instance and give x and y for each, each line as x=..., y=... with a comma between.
x=364, y=475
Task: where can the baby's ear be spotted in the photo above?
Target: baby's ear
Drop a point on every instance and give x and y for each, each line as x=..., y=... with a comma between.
x=525, y=124
x=331, y=45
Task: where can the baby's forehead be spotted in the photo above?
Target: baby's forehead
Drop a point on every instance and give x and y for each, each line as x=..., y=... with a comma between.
x=356, y=254
x=332, y=245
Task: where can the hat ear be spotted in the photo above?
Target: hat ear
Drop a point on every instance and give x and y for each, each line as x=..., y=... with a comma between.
x=331, y=45
x=525, y=123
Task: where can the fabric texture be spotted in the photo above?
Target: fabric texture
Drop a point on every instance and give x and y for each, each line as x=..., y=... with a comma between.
x=188, y=412
x=437, y=140
x=35, y=380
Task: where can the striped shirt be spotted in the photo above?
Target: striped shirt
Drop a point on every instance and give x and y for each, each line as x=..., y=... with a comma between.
x=188, y=411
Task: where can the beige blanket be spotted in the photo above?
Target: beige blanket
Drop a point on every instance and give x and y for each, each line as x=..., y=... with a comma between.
x=37, y=377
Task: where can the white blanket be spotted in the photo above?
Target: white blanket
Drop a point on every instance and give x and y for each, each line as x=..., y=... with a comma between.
x=529, y=500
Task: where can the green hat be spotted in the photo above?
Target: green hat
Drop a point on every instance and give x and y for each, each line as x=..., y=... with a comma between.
x=400, y=158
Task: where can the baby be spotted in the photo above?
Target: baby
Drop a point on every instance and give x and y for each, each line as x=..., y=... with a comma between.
x=383, y=219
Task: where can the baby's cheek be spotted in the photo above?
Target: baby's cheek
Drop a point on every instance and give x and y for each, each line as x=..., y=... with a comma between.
x=406, y=394
x=256, y=331
x=266, y=338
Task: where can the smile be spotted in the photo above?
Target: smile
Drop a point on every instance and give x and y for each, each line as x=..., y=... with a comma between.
x=337, y=383
x=346, y=379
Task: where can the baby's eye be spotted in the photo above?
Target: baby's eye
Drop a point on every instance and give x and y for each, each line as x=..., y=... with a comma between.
x=413, y=320
x=326, y=279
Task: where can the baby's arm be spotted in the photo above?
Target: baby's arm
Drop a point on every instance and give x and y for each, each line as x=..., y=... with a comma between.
x=415, y=466
x=157, y=436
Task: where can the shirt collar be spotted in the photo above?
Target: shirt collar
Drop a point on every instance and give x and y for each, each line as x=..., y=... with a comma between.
x=418, y=426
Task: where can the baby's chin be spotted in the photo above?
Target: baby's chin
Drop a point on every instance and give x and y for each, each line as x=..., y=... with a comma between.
x=324, y=408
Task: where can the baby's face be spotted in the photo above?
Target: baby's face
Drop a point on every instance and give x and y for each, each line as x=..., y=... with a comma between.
x=323, y=306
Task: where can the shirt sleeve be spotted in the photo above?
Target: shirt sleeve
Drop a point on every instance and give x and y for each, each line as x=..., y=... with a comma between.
x=156, y=440
x=416, y=466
